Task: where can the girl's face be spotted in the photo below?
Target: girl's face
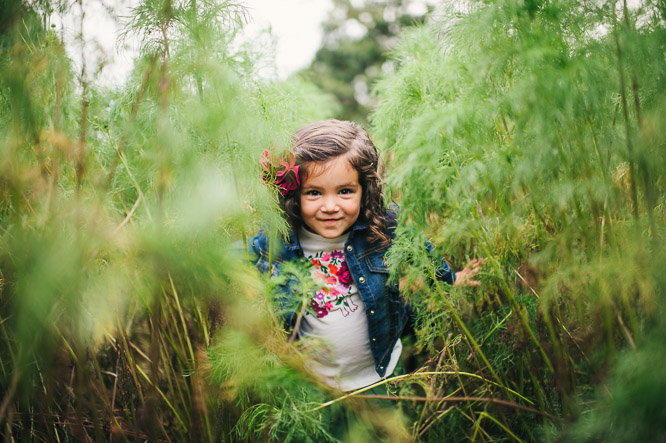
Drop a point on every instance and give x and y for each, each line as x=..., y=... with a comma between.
x=331, y=198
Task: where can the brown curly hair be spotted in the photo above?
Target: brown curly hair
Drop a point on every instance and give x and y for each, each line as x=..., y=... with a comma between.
x=319, y=142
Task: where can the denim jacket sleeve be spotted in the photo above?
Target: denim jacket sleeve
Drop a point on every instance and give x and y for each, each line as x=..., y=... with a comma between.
x=259, y=255
x=444, y=272
x=256, y=250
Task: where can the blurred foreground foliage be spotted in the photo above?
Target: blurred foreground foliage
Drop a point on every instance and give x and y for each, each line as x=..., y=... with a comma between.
x=527, y=132
x=119, y=212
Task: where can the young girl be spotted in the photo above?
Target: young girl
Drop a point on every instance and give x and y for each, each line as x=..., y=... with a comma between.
x=332, y=197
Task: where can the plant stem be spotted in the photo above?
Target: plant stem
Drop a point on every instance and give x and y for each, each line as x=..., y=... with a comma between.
x=625, y=113
x=416, y=375
x=450, y=399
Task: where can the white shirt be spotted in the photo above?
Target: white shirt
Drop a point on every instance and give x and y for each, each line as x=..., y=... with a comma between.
x=335, y=328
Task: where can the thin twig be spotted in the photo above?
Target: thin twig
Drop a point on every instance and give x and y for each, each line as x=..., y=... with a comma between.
x=626, y=332
x=9, y=396
x=127, y=218
x=297, y=325
x=115, y=383
x=416, y=374
x=496, y=401
x=27, y=202
x=477, y=426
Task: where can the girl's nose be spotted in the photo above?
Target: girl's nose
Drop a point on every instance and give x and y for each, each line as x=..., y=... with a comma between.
x=329, y=205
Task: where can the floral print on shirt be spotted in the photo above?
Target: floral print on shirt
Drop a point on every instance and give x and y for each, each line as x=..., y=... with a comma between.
x=331, y=269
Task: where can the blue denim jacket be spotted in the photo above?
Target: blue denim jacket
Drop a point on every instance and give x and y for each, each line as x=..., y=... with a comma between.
x=387, y=314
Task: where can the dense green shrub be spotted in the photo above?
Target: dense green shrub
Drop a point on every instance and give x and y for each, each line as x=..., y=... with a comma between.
x=531, y=133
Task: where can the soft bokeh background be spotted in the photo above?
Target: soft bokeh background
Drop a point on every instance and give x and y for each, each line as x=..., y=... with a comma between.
x=292, y=26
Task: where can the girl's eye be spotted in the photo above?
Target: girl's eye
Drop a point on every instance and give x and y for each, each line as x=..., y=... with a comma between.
x=346, y=191
x=312, y=193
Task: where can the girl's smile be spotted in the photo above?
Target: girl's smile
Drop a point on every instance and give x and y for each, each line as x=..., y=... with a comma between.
x=331, y=198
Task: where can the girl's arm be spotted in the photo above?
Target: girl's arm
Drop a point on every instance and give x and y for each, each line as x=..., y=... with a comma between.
x=462, y=278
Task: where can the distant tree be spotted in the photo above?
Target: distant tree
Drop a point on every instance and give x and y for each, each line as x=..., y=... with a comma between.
x=357, y=36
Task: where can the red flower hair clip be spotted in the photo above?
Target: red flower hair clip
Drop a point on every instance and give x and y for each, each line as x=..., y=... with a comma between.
x=280, y=170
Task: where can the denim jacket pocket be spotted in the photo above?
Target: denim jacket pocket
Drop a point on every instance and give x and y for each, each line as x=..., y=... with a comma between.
x=376, y=263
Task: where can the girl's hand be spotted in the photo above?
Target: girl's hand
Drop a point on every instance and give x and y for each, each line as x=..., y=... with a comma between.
x=465, y=277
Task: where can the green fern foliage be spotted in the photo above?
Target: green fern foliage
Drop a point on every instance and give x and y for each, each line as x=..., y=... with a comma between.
x=531, y=133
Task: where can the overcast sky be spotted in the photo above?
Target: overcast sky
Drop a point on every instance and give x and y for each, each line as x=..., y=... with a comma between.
x=295, y=25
